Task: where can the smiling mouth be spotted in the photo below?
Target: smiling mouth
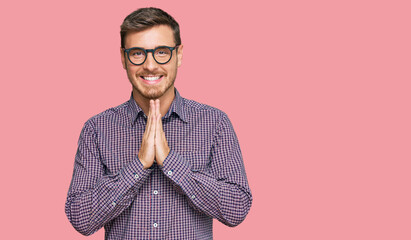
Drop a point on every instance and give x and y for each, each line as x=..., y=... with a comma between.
x=151, y=79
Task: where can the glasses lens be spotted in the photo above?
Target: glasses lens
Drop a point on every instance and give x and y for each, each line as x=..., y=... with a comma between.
x=137, y=56
x=162, y=54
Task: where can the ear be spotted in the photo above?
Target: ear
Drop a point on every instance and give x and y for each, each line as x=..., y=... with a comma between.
x=123, y=59
x=179, y=55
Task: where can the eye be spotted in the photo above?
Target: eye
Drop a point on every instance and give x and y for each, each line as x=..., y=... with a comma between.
x=137, y=53
x=161, y=52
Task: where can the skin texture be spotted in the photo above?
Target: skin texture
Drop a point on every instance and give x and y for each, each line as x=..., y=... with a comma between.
x=154, y=146
x=151, y=38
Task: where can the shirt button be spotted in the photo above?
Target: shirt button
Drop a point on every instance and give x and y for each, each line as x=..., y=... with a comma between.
x=155, y=192
x=136, y=176
x=170, y=172
x=113, y=203
x=155, y=225
x=193, y=196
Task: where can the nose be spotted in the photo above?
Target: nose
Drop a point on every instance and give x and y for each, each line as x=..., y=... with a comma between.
x=150, y=64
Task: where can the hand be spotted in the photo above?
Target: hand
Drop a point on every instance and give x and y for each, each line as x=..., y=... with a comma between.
x=147, y=150
x=154, y=145
x=160, y=141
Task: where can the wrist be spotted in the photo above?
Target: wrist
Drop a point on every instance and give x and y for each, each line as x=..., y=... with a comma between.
x=144, y=163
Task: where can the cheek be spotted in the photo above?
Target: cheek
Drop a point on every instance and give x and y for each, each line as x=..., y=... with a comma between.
x=131, y=74
x=172, y=68
x=171, y=71
x=132, y=70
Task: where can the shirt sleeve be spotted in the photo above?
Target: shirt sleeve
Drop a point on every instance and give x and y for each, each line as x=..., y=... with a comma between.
x=221, y=190
x=94, y=197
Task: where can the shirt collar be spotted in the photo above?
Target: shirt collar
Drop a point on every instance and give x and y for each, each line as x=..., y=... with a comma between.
x=177, y=107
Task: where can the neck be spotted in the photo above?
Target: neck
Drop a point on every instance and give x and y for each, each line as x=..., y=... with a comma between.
x=165, y=101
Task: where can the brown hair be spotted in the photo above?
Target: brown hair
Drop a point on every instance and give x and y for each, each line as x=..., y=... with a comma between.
x=145, y=18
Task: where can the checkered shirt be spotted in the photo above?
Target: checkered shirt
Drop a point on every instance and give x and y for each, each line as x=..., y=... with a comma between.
x=202, y=178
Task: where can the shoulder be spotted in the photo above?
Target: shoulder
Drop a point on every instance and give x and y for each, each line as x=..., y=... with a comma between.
x=195, y=107
x=197, y=110
x=208, y=118
x=110, y=115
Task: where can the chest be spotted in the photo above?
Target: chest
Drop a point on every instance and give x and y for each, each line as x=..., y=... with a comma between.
x=120, y=144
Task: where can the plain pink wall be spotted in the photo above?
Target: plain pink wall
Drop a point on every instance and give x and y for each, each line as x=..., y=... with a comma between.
x=318, y=92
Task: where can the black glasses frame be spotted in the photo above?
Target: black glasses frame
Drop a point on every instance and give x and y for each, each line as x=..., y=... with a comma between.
x=146, y=51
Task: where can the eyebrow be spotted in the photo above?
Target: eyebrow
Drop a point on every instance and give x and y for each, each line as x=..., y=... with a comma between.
x=163, y=45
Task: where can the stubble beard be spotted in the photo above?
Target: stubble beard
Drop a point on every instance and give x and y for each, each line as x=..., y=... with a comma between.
x=151, y=92
x=154, y=92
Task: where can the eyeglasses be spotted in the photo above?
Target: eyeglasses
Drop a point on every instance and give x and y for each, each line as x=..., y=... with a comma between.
x=161, y=55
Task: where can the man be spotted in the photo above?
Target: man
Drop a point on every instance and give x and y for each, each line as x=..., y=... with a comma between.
x=158, y=166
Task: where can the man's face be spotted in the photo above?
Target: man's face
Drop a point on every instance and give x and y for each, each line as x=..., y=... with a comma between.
x=152, y=80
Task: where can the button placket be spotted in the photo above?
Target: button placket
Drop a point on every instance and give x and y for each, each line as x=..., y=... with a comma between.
x=155, y=201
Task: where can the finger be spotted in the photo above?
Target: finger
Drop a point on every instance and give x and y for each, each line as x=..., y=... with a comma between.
x=158, y=107
x=151, y=109
x=152, y=118
x=159, y=125
x=159, y=121
x=149, y=122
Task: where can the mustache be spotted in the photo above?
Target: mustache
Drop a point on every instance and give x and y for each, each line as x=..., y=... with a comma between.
x=151, y=73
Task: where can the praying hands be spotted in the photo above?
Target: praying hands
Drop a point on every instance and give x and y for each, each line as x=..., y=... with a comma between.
x=154, y=144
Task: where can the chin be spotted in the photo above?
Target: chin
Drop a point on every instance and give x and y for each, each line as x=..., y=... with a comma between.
x=151, y=93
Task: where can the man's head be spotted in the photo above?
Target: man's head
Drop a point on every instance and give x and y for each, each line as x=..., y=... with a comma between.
x=144, y=29
x=145, y=18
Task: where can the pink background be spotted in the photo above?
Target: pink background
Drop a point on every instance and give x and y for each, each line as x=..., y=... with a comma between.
x=318, y=92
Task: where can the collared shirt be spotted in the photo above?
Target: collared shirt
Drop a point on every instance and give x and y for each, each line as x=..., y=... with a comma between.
x=202, y=178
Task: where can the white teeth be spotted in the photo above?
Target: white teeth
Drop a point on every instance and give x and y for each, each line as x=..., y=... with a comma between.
x=151, y=78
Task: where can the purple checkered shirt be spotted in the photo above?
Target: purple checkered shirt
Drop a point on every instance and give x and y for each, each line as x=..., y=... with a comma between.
x=202, y=178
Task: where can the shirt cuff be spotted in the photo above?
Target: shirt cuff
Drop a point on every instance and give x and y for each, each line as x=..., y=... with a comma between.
x=175, y=167
x=134, y=173
x=178, y=169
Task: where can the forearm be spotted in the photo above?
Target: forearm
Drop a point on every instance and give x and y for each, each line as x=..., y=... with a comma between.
x=225, y=199
x=89, y=209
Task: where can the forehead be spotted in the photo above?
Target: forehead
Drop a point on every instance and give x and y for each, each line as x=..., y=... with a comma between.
x=161, y=35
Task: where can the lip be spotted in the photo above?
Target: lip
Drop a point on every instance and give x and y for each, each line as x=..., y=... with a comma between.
x=151, y=82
